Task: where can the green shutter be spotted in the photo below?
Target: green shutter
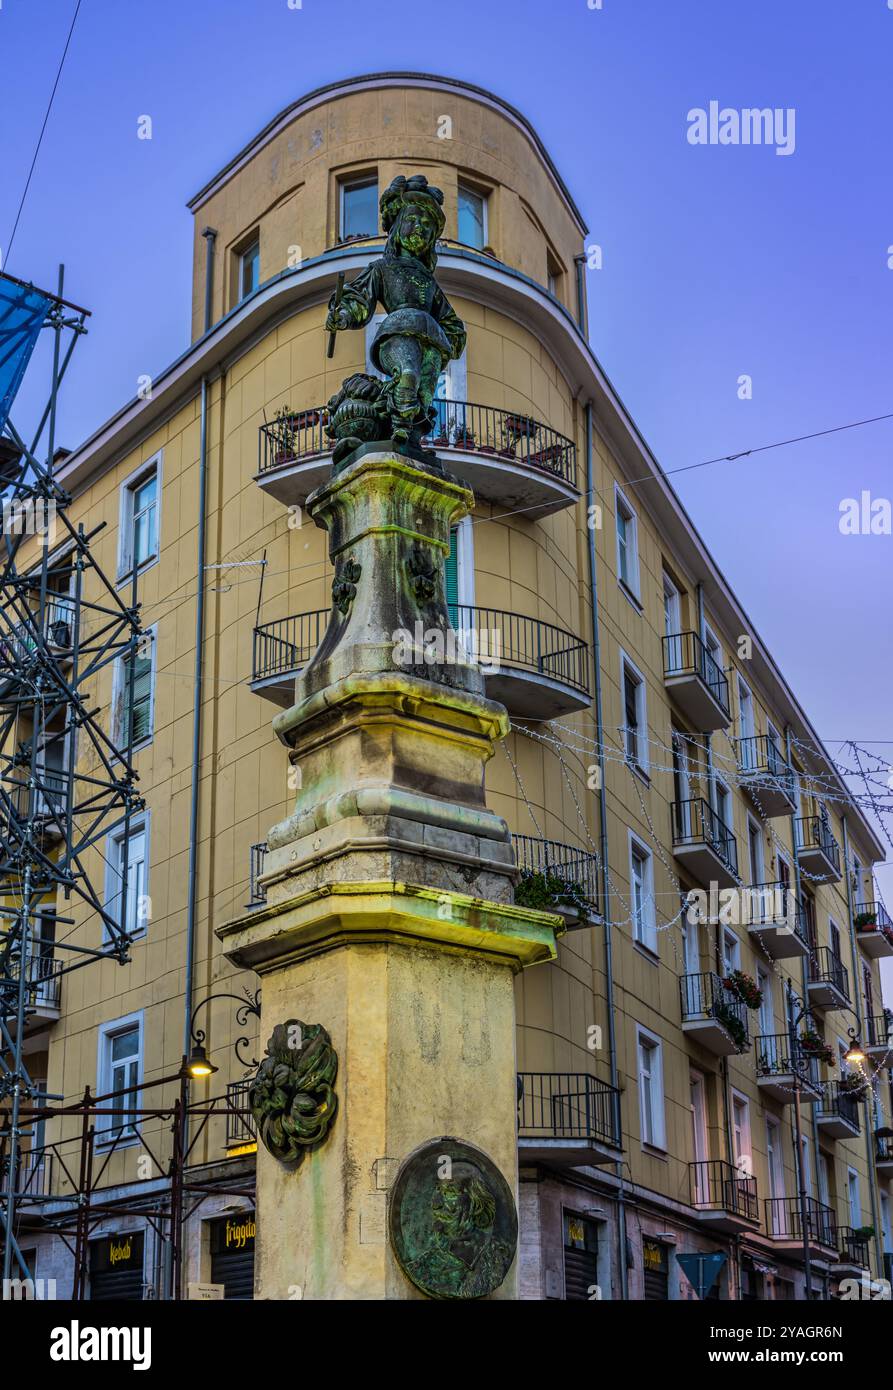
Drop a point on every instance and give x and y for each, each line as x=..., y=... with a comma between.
x=451, y=578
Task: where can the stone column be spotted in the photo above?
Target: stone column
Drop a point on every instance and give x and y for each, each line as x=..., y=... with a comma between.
x=390, y=922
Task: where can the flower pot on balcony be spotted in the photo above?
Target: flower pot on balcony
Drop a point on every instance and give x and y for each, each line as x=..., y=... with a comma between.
x=745, y=988
x=811, y=1045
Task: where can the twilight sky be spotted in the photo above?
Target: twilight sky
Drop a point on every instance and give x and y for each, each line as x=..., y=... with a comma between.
x=719, y=261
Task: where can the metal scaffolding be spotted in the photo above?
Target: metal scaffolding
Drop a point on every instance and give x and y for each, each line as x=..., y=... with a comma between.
x=65, y=781
x=173, y=1186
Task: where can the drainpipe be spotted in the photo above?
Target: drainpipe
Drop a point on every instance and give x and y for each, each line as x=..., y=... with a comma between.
x=860, y=1023
x=603, y=856
x=580, y=262
x=192, y=890
x=210, y=235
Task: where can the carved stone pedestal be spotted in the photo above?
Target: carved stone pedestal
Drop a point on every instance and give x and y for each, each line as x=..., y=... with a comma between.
x=389, y=921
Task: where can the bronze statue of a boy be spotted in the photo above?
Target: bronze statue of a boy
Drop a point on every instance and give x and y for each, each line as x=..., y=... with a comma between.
x=421, y=332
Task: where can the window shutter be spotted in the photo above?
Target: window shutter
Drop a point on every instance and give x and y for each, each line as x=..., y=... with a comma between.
x=451, y=577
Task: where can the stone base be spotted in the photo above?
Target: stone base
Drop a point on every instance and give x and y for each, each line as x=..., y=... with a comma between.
x=415, y=989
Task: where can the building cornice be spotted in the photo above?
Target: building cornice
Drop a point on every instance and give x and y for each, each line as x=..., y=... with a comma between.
x=379, y=80
x=507, y=291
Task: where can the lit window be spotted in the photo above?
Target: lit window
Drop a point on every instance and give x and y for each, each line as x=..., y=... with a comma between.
x=120, y=1066
x=359, y=209
x=139, y=522
x=130, y=853
x=472, y=218
x=249, y=269
x=651, y=1092
x=627, y=544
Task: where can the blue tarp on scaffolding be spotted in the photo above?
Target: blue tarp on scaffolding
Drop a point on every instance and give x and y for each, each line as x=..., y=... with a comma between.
x=22, y=314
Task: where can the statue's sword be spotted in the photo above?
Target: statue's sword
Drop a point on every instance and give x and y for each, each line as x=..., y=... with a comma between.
x=339, y=290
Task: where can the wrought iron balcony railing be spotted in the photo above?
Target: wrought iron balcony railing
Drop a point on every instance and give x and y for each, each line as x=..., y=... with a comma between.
x=43, y=980
x=695, y=822
x=34, y=1174
x=287, y=644
x=777, y=1057
x=853, y=1247
x=19, y=642
x=761, y=754
x=578, y=867
x=814, y=833
x=240, y=1127
x=838, y=1101
x=568, y=1105
x=495, y=638
x=686, y=655
x=873, y=917
x=826, y=968
x=784, y=1221
x=257, y=895
x=883, y=1148
x=774, y=904
x=502, y=639
x=704, y=996
x=879, y=1030
x=510, y=436
x=717, y=1186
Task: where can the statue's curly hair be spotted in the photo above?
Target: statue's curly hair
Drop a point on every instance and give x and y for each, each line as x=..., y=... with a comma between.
x=402, y=191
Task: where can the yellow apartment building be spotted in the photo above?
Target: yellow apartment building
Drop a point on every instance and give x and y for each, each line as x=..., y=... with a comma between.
x=662, y=782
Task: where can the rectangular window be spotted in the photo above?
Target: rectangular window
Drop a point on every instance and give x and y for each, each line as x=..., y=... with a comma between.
x=651, y=1091
x=627, y=544
x=642, y=897
x=775, y=1159
x=130, y=852
x=723, y=803
x=854, y=1197
x=767, y=1013
x=249, y=269
x=741, y=1135
x=359, y=209
x=472, y=218
x=746, y=725
x=755, y=852
x=672, y=615
x=120, y=1070
x=731, y=952
x=635, y=715
x=139, y=521
x=135, y=694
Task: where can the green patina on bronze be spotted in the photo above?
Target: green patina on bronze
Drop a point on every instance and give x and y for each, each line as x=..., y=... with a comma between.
x=452, y=1219
x=292, y=1097
x=419, y=335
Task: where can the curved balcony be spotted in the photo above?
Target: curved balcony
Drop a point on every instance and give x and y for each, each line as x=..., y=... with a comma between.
x=538, y=671
x=504, y=456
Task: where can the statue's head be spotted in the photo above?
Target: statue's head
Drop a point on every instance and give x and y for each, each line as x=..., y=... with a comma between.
x=412, y=215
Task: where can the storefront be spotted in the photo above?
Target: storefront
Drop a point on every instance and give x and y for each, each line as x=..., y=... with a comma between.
x=116, y=1266
x=580, y=1257
x=232, y=1254
x=656, y=1265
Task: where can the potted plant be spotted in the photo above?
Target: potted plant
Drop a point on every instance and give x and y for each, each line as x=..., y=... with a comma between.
x=545, y=891
x=734, y=1025
x=865, y=921
x=812, y=1045
x=744, y=987
x=853, y=1084
x=520, y=427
